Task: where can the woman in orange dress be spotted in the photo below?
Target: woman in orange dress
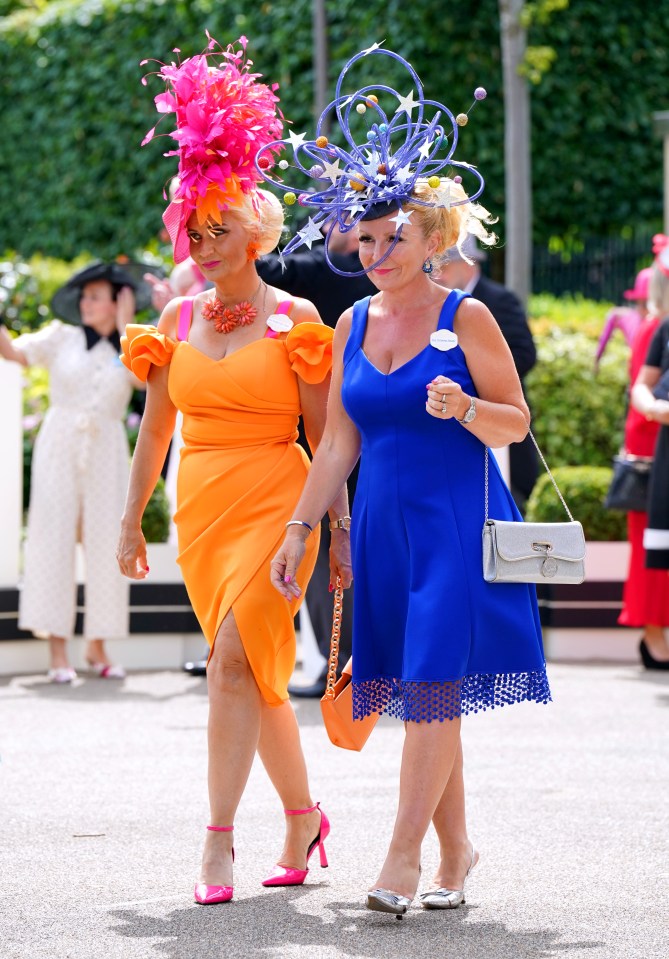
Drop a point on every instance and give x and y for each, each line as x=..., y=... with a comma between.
x=241, y=362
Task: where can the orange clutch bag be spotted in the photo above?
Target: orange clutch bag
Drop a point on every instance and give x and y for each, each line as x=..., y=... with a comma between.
x=337, y=701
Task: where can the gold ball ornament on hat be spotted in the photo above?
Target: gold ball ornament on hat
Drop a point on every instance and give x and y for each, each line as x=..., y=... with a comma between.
x=434, y=182
x=289, y=199
x=462, y=119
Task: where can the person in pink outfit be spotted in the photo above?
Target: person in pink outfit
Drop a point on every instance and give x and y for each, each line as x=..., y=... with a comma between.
x=646, y=591
x=627, y=319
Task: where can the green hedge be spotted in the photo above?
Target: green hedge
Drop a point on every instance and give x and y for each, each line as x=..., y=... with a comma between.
x=584, y=489
x=73, y=177
x=577, y=416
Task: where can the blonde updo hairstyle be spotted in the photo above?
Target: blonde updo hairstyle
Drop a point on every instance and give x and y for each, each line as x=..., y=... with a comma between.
x=658, y=292
x=261, y=216
x=454, y=223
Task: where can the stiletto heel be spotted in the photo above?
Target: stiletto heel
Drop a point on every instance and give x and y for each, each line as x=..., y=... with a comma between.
x=443, y=898
x=287, y=875
x=210, y=895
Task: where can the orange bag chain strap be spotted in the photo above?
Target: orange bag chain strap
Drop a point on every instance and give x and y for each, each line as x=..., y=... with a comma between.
x=334, y=641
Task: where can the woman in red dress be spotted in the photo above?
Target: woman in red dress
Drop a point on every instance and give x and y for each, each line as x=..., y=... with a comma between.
x=646, y=591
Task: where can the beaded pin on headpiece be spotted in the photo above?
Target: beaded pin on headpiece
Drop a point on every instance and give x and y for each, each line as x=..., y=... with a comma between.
x=223, y=117
x=368, y=180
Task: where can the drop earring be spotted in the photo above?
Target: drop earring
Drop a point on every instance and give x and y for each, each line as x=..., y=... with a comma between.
x=427, y=266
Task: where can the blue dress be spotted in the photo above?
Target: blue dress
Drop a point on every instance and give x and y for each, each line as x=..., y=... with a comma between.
x=431, y=639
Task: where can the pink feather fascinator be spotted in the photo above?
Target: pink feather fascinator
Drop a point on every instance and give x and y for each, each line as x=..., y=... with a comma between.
x=224, y=116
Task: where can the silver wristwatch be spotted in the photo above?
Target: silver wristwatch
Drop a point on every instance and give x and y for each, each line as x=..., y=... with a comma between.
x=471, y=412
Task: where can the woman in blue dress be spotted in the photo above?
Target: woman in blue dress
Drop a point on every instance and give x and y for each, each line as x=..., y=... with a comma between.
x=423, y=381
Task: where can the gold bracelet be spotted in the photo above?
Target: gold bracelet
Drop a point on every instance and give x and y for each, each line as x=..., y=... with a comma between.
x=343, y=523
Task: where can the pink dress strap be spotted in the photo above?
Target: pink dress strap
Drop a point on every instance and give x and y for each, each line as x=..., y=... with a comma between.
x=285, y=306
x=184, y=318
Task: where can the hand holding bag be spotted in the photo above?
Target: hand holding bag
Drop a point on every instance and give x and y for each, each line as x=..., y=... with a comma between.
x=630, y=483
x=337, y=702
x=517, y=552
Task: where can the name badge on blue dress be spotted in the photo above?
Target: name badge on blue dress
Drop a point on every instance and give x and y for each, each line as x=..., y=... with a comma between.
x=443, y=340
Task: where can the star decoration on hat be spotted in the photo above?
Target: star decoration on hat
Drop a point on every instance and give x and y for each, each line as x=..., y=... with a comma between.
x=402, y=218
x=331, y=170
x=311, y=232
x=296, y=139
x=407, y=104
x=374, y=47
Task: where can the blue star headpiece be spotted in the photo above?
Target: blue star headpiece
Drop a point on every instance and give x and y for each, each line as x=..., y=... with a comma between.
x=368, y=180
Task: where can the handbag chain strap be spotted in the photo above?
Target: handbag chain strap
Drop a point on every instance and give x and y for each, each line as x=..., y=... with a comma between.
x=334, y=641
x=543, y=460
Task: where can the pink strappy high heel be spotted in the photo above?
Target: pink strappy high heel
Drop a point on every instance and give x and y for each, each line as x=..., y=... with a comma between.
x=210, y=895
x=287, y=875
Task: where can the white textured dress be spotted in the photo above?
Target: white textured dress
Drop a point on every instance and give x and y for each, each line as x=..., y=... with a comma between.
x=79, y=482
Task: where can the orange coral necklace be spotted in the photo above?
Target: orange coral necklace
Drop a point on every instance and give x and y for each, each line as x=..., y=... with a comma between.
x=228, y=318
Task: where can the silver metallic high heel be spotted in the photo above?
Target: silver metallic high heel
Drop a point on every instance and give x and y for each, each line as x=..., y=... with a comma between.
x=384, y=900
x=443, y=898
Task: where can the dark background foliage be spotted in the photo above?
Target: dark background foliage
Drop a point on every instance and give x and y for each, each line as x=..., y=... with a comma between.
x=73, y=177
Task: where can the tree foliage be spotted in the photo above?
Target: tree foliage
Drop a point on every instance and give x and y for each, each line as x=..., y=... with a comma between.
x=73, y=177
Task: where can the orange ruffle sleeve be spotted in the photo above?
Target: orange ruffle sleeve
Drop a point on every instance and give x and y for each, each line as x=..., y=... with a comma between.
x=309, y=348
x=143, y=346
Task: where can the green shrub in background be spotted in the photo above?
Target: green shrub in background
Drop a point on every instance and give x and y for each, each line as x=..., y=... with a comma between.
x=156, y=518
x=570, y=313
x=584, y=489
x=577, y=416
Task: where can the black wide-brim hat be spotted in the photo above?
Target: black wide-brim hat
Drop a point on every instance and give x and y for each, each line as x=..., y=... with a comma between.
x=65, y=301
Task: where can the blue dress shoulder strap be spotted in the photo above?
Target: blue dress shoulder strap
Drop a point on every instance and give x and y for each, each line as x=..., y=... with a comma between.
x=358, y=327
x=449, y=309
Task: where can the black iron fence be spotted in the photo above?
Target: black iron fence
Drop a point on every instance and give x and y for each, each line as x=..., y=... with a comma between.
x=601, y=270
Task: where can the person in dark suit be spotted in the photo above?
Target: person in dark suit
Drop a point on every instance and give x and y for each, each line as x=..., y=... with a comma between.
x=308, y=275
x=457, y=273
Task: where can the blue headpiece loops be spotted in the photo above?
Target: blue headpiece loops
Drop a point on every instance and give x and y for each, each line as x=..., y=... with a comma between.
x=365, y=180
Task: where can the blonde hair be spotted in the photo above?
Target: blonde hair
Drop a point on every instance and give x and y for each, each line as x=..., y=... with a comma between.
x=658, y=292
x=261, y=215
x=453, y=223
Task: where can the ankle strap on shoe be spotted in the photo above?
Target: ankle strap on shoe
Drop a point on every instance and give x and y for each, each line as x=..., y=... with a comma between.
x=220, y=828
x=301, y=812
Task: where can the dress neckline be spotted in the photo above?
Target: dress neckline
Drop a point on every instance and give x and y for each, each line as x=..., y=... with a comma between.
x=411, y=359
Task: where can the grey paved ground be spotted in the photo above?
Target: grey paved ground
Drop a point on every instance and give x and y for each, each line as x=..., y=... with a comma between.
x=102, y=810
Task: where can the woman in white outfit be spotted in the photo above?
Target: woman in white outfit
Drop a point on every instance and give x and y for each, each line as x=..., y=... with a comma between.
x=80, y=466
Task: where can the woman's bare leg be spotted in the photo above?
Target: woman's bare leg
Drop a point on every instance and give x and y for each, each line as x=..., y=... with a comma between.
x=281, y=753
x=58, y=652
x=233, y=731
x=449, y=821
x=428, y=756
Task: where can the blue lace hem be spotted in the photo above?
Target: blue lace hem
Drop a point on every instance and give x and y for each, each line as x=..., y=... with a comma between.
x=435, y=702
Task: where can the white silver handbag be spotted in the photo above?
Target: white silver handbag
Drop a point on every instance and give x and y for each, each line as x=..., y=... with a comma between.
x=518, y=552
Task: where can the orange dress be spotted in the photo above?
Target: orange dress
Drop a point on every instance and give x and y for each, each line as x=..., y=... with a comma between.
x=240, y=476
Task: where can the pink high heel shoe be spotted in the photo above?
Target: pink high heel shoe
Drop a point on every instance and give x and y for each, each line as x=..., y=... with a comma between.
x=287, y=875
x=210, y=895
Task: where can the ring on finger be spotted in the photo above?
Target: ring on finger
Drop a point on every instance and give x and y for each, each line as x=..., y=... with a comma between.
x=443, y=409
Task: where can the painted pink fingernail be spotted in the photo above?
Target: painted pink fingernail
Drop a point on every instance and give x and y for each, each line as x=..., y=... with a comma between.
x=287, y=579
x=146, y=568
x=330, y=588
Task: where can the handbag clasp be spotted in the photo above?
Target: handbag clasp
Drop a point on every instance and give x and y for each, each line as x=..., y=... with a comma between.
x=542, y=547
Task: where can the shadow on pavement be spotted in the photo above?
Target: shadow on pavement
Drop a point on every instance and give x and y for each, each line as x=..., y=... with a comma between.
x=266, y=926
x=86, y=689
